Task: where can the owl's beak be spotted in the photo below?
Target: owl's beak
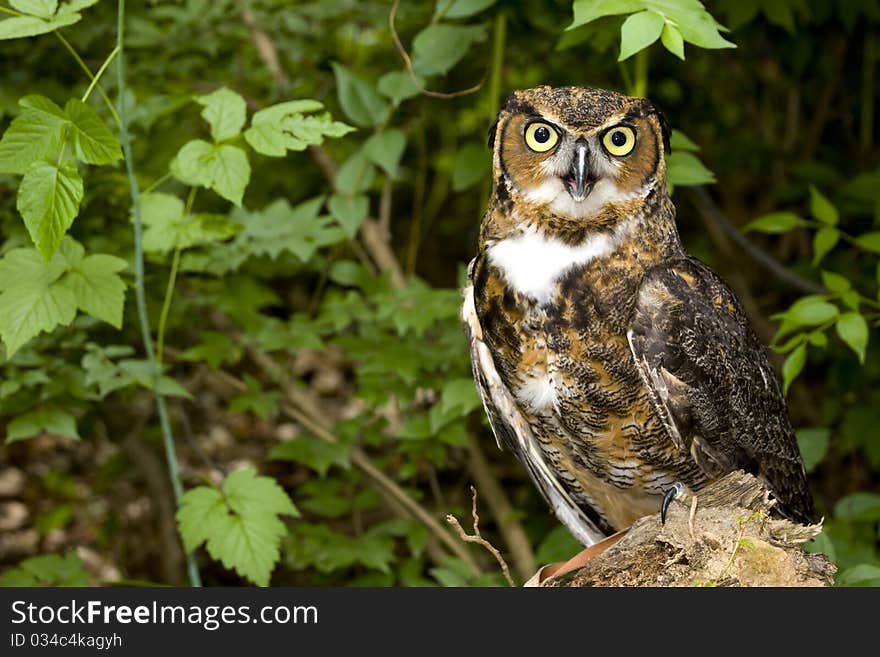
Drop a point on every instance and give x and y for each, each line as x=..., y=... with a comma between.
x=579, y=180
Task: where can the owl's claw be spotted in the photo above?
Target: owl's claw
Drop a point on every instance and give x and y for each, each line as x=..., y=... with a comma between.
x=676, y=490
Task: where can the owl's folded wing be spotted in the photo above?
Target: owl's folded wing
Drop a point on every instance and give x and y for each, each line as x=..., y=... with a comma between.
x=512, y=429
x=711, y=382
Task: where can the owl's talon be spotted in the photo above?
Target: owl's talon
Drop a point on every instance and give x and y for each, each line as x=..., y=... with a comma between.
x=676, y=490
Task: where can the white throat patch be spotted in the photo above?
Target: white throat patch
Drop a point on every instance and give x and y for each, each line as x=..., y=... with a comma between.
x=532, y=263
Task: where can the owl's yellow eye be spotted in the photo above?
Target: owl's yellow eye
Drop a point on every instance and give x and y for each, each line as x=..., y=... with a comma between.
x=619, y=141
x=541, y=137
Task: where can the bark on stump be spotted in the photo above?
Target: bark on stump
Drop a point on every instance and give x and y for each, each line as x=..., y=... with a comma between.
x=730, y=539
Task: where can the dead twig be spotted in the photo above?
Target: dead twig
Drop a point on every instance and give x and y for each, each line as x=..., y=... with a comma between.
x=477, y=538
x=265, y=49
x=409, y=65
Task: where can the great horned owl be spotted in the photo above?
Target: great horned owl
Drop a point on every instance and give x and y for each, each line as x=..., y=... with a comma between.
x=613, y=364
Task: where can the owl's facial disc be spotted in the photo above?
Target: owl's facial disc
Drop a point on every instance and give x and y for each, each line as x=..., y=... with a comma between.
x=580, y=179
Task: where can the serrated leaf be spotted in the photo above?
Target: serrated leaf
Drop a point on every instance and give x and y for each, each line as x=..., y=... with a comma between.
x=48, y=200
x=439, y=47
x=671, y=39
x=35, y=134
x=214, y=348
x=459, y=396
x=48, y=570
x=813, y=444
x=853, y=330
x=262, y=403
x=225, y=111
x=166, y=227
x=31, y=299
x=822, y=209
x=638, y=32
x=90, y=138
x=97, y=288
x=18, y=27
x=774, y=223
x=279, y=128
x=317, y=454
x=240, y=523
x=824, y=240
x=385, y=150
x=40, y=8
x=359, y=100
x=141, y=371
x=793, y=366
x=349, y=211
x=220, y=167
x=49, y=419
x=399, y=86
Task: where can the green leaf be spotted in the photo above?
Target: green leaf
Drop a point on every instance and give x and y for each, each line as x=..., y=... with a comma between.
x=317, y=454
x=472, y=164
x=679, y=141
x=459, y=396
x=691, y=19
x=49, y=419
x=399, y=86
x=48, y=570
x=40, y=8
x=858, y=507
x=461, y=8
x=813, y=444
x=863, y=574
x=793, y=366
x=355, y=175
x=141, y=371
x=215, y=349
x=48, y=200
x=239, y=523
x=225, y=111
x=298, y=230
x=35, y=134
x=97, y=288
x=683, y=168
x=824, y=240
x=774, y=222
x=835, y=282
x=358, y=98
x=822, y=209
x=638, y=32
x=166, y=227
x=255, y=400
x=439, y=47
x=672, y=40
x=869, y=241
x=385, y=150
x=811, y=311
x=283, y=127
x=31, y=299
x=90, y=138
x=853, y=330
x=28, y=26
x=220, y=167
x=349, y=211
x=557, y=545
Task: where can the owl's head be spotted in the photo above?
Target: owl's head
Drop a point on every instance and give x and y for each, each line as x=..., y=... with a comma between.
x=579, y=152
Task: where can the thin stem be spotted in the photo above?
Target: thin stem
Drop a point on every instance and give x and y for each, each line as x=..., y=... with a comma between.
x=140, y=294
x=91, y=76
x=100, y=73
x=640, y=86
x=156, y=183
x=166, y=306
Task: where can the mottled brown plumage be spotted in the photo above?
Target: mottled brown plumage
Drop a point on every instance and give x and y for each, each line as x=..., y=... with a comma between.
x=609, y=361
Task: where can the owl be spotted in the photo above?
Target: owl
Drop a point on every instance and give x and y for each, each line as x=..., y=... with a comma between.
x=615, y=366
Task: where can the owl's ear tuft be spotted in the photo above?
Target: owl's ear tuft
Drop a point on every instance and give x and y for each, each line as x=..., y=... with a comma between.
x=665, y=129
x=492, y=130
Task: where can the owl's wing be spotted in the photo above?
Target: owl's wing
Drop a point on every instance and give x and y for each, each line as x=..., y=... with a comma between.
x=512, y=429
x=711, y=382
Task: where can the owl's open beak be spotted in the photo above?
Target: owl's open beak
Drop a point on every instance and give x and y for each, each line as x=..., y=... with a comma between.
x=579, y=180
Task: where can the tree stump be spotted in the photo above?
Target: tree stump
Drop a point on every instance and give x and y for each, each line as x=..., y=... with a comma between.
x=724, y=535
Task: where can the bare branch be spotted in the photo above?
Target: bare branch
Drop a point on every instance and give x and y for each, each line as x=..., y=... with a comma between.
x=478, y=538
